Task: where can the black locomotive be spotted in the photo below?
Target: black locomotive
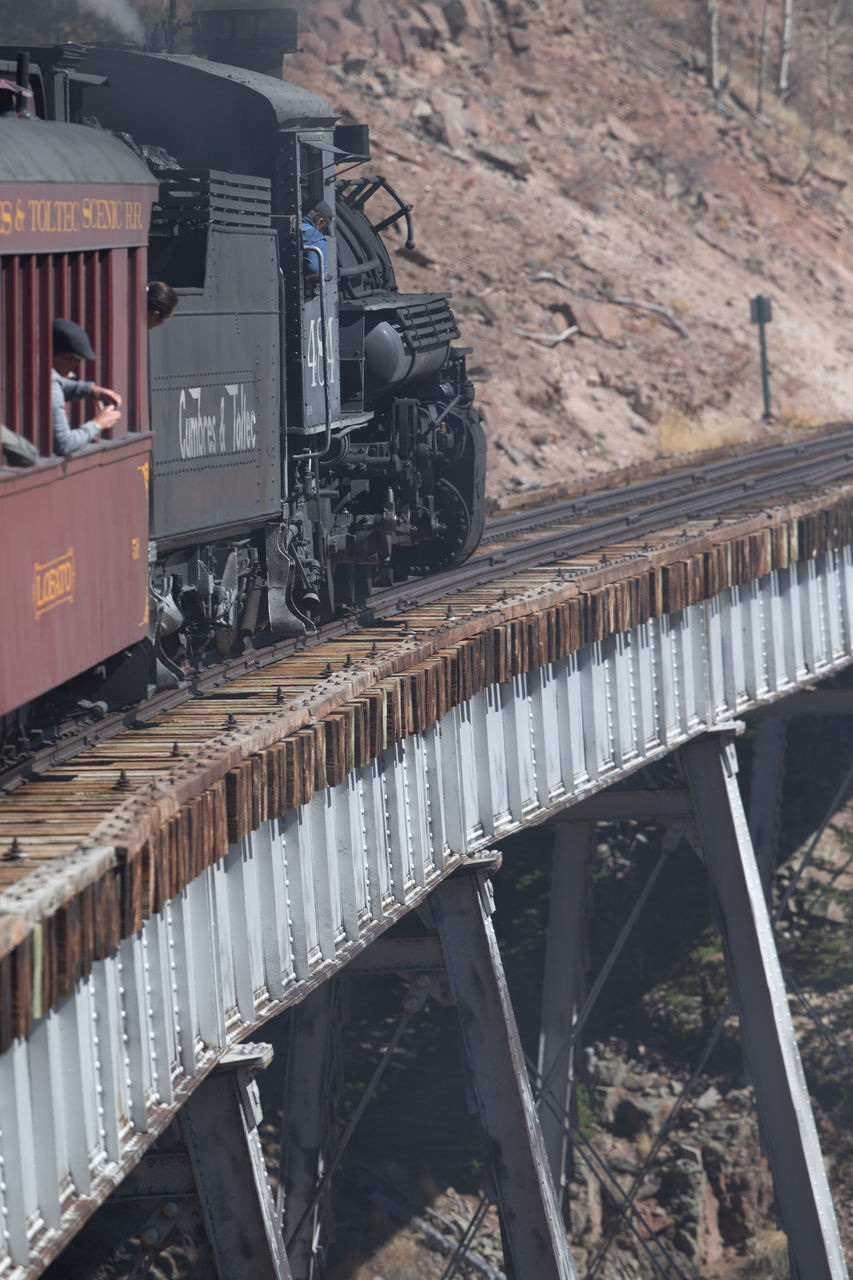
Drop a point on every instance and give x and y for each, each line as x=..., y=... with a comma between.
x=313, y=438
x=314, y=435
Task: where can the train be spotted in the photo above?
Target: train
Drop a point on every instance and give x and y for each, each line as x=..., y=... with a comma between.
x=299, y=434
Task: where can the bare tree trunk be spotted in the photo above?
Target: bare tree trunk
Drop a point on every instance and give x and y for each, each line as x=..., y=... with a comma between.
x=785, y=55
x=713, y=37
x=762, y=57
x=833, y=15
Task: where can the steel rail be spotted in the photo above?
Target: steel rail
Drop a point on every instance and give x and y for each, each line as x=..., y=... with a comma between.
x=683, y=481
x=575, y=539
x=90, y=730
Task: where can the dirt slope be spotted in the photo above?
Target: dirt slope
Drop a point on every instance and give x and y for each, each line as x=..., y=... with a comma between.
x=568, y=170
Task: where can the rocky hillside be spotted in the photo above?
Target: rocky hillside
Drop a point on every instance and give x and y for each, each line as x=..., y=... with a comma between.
x=602, y=220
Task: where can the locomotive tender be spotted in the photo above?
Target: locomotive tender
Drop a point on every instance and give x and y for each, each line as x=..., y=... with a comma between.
x=313, y=434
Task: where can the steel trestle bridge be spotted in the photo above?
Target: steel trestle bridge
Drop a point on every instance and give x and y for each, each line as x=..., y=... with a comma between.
x=138, y=960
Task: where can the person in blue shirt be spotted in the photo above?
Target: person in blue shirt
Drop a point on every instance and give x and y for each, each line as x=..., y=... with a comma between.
x=316, y=228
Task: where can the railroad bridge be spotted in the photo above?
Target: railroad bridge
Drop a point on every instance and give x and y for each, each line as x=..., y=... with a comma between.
x=168, y=891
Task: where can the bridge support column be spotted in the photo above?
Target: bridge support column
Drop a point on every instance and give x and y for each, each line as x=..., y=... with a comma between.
x=768, y=766
x=804, y=1203
x=219, y=1126
x=532, y=1226
x=561, y=988
x=304, y=1123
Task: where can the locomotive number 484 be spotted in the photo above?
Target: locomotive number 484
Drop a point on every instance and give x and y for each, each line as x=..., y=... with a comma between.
x=315, y=352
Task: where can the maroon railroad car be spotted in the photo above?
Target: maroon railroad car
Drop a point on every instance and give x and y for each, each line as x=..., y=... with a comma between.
x=75, y=206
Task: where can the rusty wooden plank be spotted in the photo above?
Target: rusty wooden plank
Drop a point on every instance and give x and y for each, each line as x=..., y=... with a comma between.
x=317, y=781
x=106, y=916
x=483, y=669
x=534, y=650
x=219, y=831
x=49, y=964
x=590, y=620
x=274, y=762
x=674, y=594
x=192, y=854
x=402, y=701
x=307, y=764
x=393, y=711
x=7, y=1000
x=561, y=645
x=378, y=720
x=175, y=854
x=696, y=580
x=245, y=789
x=292, y=797
x=418, y=699
x=257, y=792
x=148, y=870
x=206, y=827
x=68, y=947
x=334, y=731
x=433, y=682
x=13, y=930
x=166, y=852
x=764, y=553
x=22, y=988
x=655, y=591
x=500, y=655
x=518, y=647
x=780, y=536
x=577, y=617
x=234, y=800
x=132, y=895
x=361, y=733
x=183, y=865
x=87, y=929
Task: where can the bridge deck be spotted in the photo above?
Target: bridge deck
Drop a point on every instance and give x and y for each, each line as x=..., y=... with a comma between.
x=146, y=930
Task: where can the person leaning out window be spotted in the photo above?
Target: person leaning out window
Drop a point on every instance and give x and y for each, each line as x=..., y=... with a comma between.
x=162, y=301
x=71, y=346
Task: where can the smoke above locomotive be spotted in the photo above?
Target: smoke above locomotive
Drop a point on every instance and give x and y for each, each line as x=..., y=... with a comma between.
x=314, y=436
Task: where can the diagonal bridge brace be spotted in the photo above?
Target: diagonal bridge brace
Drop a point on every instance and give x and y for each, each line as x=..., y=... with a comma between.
x=804, y=1203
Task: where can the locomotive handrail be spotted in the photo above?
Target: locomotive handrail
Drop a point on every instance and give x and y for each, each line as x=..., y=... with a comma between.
x=282, y=365
x=318, y=453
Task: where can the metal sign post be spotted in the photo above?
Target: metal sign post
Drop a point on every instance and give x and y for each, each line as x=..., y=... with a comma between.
x=760, y=313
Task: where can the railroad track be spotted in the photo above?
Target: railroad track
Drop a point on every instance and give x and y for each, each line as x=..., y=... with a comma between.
x=572, y=527
x=695, y=475
x=580, y=524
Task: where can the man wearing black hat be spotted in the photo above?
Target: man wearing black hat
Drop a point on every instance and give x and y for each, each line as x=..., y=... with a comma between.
x=71, y=346
x=316, y=227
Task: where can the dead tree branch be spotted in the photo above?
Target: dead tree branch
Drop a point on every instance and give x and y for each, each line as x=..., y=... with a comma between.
x=664, y=312
x=654, y=307
x=550, y=339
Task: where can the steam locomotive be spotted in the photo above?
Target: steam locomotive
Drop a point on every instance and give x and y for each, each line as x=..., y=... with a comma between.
x=312, y=429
